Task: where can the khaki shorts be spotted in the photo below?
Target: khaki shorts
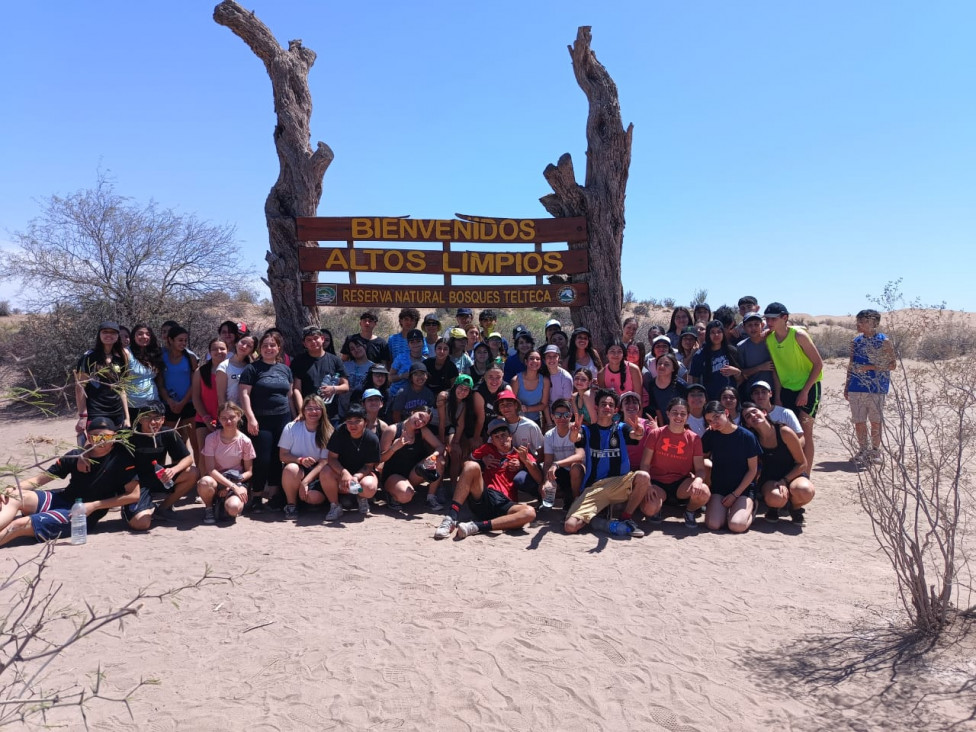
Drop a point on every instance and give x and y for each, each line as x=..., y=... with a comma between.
x=866, y=407
x=601, y=494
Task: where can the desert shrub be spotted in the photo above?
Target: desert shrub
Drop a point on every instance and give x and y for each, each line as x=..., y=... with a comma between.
x=642, y=310
x=833, y=342
x=629, y=297
x=4, y=308
x=698, y=297
x=667, y=302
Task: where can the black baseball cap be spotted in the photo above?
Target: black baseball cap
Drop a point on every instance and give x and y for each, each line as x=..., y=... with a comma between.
x=776, y=309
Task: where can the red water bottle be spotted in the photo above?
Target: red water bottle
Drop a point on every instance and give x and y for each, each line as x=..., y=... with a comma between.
x=161, y=476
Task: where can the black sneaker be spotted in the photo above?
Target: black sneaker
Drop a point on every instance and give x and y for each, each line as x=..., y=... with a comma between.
x=797, y=515
x=772, y=515
x=690, y=521
x=656, y=518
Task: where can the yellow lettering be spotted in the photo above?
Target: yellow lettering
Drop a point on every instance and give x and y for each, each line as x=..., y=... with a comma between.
x=527, y=228
x=505, y=259
x=416, y=261
x=508, y=229
x=361, y=229
x=393, y=260
x=390, y=228
x=336, y=260
x=462, y=230
x=446, y=262
x=426, y=228
x=532, y=263
x=489, y=230
x=552, y=262
x=443, y=229
x=481, y=263
x=408, y=229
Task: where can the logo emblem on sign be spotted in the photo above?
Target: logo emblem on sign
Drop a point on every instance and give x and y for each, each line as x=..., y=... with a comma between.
x=566, y=295
x=325, y=294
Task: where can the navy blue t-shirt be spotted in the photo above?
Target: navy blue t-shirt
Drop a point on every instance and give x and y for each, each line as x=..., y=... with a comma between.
x=730, y=457
x=606, y=451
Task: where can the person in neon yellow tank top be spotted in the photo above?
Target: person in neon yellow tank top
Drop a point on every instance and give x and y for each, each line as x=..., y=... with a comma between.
x=799, y=369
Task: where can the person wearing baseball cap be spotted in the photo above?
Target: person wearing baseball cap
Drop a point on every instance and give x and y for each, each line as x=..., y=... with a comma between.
x=488, y=488
x=799, y=370
x=400, y=370
x=107, y=481
x=552, y=325
x=697, y=397
x=761, y=394
x=397, y=343
x=754, y=359
x=151, y=449
x=525, y=433
x=414, y=394
x=431, y=328
x=464, y=317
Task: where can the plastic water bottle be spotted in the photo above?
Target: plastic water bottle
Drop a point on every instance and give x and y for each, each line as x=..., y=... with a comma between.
x=619, y=528
x=79, y=523
x=161, y=475
x=355, y=488
x=548, y=495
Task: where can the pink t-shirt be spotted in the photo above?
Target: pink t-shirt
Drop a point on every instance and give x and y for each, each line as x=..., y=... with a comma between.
x=228, y=456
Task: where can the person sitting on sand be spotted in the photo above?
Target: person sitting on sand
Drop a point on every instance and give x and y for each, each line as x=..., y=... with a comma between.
x=487, y=485
x=411, y=455
x=102, y=475
x=761, y=394
x=354, y=453
x=734, y=454
x=563, y=460
x=784, y=478
x=609, y=478
x=151, y=450
x=228, y=463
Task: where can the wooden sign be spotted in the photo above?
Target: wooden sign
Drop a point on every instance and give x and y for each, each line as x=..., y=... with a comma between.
x=464, y=228
x=515, y=296
x=415, y=261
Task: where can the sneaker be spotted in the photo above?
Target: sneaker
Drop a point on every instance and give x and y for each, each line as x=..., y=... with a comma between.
x=444, y=530
x=772, y=515
x=291, y=512
x=797, y=515
x=335, y=512
x=208, y=517
x=656, y=518
x=690, y=521
x=635, y=531
x=362, y=505
x=255, y=505
x=874, y=457
x=164, y=514
x=434, y=504
x=468, y=528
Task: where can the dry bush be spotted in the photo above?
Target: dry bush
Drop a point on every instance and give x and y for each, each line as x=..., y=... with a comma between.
x=833, y=342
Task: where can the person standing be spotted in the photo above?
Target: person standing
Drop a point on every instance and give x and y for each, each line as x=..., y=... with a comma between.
x=99, y=378
x=799, y=369
x=377, y=350
x=868, y=380
x=319, y=372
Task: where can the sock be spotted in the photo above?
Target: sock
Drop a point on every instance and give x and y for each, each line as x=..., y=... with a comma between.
x=483, y=526
x=454, y=510
x=625, y=516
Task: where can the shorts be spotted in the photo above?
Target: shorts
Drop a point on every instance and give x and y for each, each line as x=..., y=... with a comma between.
x=145, y=503
x=52, y=519
x=492, y=505
x=866, y=407
x=749, y=492
x=603, y=493
x=788, y=399
x=671, y=491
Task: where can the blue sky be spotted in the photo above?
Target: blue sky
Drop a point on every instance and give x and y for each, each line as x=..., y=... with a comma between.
x=801, y=152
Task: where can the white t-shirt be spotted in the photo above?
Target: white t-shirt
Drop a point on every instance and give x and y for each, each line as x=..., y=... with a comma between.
x=233, y=379
x=297, y=440
x=559, y=447
x=787, y=417
x=526, y=433
x=697, y=424
x=228, y=456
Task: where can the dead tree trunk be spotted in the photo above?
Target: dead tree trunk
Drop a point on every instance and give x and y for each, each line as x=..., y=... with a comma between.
x=601, y=198
x=299, y=186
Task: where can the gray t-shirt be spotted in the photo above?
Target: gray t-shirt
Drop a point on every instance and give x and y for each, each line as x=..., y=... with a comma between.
x=750, y=355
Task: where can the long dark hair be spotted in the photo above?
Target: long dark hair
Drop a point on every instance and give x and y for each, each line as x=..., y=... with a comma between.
x=117, y=349
x=590, y=351
x=724, y=349
x=453, y=402
x=206, y=371
x=624, y=363
x=331, y=347
x=152, y=355
x=680, y=308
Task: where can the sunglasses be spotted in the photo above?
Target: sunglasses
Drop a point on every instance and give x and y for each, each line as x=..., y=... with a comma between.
x=562, y=415
x=95, y=439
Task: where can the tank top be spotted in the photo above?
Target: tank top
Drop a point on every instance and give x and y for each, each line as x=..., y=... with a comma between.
x=208, y=395
x=792, y=365
x=615, y=380
x=141, y=388
x=490, y=411
x=581, y=407
x=777, y=461
x=530, y=397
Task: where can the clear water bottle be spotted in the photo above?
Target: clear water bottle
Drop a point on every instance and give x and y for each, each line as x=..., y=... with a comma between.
x=329, y=380
x=161, y=475
x=355, y=488
x=79, y=523
x=548, y=494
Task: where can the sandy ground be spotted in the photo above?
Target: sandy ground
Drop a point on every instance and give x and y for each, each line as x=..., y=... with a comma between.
x=374, y=625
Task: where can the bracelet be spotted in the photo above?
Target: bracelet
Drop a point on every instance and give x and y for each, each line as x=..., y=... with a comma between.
x=82, y=415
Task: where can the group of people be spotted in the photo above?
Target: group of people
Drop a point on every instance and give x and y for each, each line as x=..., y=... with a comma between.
x=712, y=426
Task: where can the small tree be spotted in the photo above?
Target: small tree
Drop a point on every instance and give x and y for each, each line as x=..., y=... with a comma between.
x=96, y=244
x=915, y=495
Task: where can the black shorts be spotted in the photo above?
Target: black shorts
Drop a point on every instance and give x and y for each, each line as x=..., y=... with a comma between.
x=749, y=492
x=145, y=503
x=788, y=398
x=491, y=506
x=671, y=491
x=185, y=416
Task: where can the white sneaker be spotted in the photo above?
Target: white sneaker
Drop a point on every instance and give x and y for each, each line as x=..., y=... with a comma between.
x=467, y=529
x=363, y=505
x=444, y=530
x=335, y=512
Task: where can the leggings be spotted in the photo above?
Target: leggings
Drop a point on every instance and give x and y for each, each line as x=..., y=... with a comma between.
x=267, y=462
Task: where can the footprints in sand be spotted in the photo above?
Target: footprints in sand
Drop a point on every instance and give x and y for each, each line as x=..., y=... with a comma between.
x=611, y=653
